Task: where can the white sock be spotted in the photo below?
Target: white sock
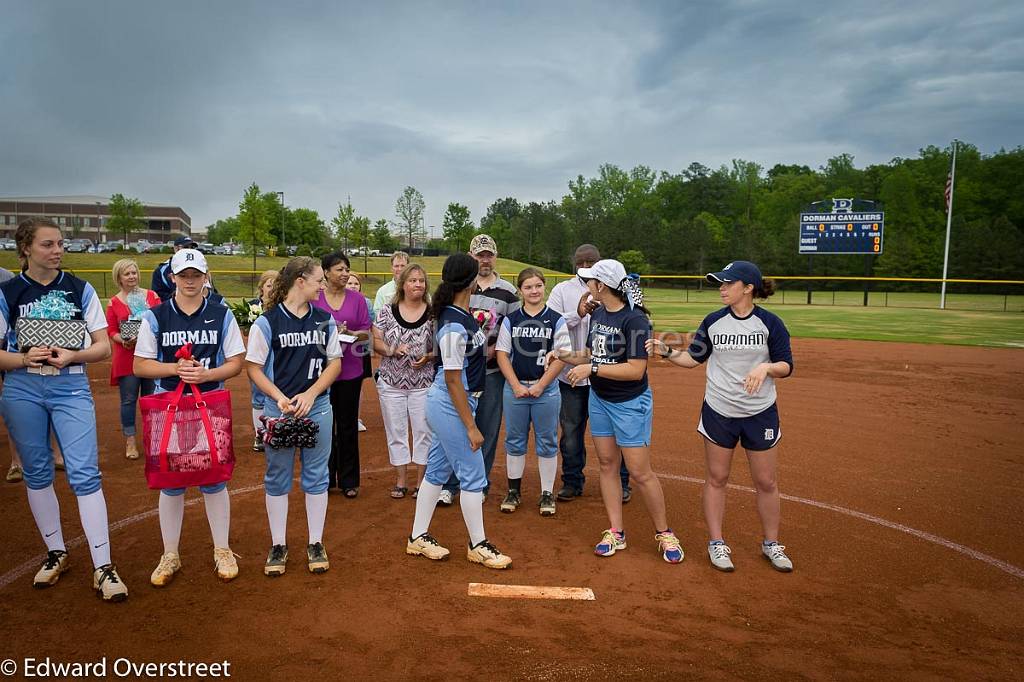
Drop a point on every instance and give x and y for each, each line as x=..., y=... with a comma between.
x=172, y=512
x=218, y=513
x=256, y=414
x=92, y=509
x=548, y=467
x=277, y=512
x=46, y=512
x=473, y=514
x=516, y=465
x=316, y=514
x=426, y=501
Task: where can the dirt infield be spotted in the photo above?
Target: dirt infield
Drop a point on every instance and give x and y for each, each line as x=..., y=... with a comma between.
x=911, y=437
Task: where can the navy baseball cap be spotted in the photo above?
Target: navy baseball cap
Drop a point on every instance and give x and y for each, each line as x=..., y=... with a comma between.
x=738, y=270
x=187, y=242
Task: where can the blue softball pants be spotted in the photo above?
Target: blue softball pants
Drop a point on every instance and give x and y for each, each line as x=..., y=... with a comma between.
x=542, y=412
x=35, y=405
x=281, y=461
x=449, y=446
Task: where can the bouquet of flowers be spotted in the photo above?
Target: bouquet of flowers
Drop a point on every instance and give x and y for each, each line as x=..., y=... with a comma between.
x=486, y=318
x=246, y=312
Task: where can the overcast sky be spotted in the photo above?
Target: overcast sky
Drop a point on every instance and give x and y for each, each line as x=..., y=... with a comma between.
x=188, y=102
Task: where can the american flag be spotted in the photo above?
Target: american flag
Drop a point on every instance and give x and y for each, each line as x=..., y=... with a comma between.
x=949, y=189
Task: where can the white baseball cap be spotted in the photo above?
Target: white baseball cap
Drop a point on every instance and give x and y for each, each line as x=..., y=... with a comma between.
x=188, y=258
x=608, y=271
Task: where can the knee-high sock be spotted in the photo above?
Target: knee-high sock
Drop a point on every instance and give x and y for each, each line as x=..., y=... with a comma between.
x=548, y=468
x=218, y=513
x=473, y=514
x=316, y=514
x=516, y=465
x=92, y=509
x=277, y=512
x=256, y=414
x=426, y=501
x=172, y=512
x=46, y=512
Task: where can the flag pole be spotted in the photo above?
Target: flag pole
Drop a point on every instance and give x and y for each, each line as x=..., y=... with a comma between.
x=949, y=221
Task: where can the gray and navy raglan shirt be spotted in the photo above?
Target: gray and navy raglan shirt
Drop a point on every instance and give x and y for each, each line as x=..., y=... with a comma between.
x=732, y=346
x=497, y=301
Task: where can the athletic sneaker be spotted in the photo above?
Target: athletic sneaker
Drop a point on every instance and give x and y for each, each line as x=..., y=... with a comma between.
x=774, y=553
x=487, y=554
x=224, y=563
x=547, y=503
x=316, y=555
x=719, y=553
x=108, y=584
x=257, y=445
x=163, y=574
x=511, y=501
x=49, y=573
x=671, y=550
x=612, y=541
x=426, y=545
x=276, y=561
x=446, y=499
x=627, y=495
x=14, y=474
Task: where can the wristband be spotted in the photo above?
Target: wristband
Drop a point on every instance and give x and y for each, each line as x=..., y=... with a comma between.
x=593, y=369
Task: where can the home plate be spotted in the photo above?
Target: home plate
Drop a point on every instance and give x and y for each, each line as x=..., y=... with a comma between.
x=530, y=592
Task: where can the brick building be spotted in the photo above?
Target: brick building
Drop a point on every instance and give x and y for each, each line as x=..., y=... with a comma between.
x=86, y=216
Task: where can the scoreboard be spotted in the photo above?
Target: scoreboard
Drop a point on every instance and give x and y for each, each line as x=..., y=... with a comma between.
x=851, y=232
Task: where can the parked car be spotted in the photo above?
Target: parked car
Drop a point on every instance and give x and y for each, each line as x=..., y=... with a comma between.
x=8, y=244
x=222, y=250
x=78, y=245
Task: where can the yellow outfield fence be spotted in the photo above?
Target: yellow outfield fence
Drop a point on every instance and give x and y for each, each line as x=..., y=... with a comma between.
x=1006, y=295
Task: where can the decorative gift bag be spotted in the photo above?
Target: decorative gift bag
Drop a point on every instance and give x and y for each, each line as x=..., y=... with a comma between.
x=49, y=324
x=187, y=438
x=129, y=329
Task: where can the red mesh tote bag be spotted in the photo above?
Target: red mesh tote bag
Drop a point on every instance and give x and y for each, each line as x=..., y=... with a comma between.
x=187, y=438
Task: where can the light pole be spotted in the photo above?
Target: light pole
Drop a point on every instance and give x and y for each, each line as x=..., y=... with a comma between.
x=284, y=242
x=97, y=225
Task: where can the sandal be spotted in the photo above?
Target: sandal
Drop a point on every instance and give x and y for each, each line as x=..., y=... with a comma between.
x=415, y=492
x=351, y=492
x=14, y=474
x=398, y=492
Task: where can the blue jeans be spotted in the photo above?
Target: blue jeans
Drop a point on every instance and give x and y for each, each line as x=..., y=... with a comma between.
x=129, y=387
x=488, y=420
x=572, y=444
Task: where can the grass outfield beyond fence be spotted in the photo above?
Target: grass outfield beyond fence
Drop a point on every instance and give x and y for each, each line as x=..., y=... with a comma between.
x=970, y=318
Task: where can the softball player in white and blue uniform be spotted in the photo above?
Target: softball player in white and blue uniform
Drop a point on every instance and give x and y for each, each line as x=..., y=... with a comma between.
x=47, y=389
x=746, y=349
x=217, y=349
x=531, y=395
x=451, y=403
x=294, y=357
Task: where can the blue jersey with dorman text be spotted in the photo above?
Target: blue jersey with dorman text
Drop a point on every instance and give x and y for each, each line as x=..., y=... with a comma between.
x=616, y=338
x=293, y=350
x=19, y=296
x=461, y=345
x=732, y=346
x=528, y=339
x=211, y=329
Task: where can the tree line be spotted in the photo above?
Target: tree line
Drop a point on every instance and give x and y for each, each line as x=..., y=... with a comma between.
x=700, y=218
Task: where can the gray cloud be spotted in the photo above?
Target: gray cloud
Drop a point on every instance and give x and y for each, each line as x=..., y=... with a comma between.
x=188, y=102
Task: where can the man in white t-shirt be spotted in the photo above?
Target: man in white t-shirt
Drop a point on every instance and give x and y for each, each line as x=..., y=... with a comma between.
x=386, y=294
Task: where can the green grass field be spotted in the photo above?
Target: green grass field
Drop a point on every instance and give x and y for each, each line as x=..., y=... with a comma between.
x=970, y=319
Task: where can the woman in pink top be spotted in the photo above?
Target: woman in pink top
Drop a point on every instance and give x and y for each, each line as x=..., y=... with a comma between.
x=353, y=317
x=127, y=304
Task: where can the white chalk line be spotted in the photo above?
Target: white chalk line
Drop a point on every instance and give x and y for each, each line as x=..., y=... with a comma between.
x=30, y=565
x=34, y=563
x=929, y=537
